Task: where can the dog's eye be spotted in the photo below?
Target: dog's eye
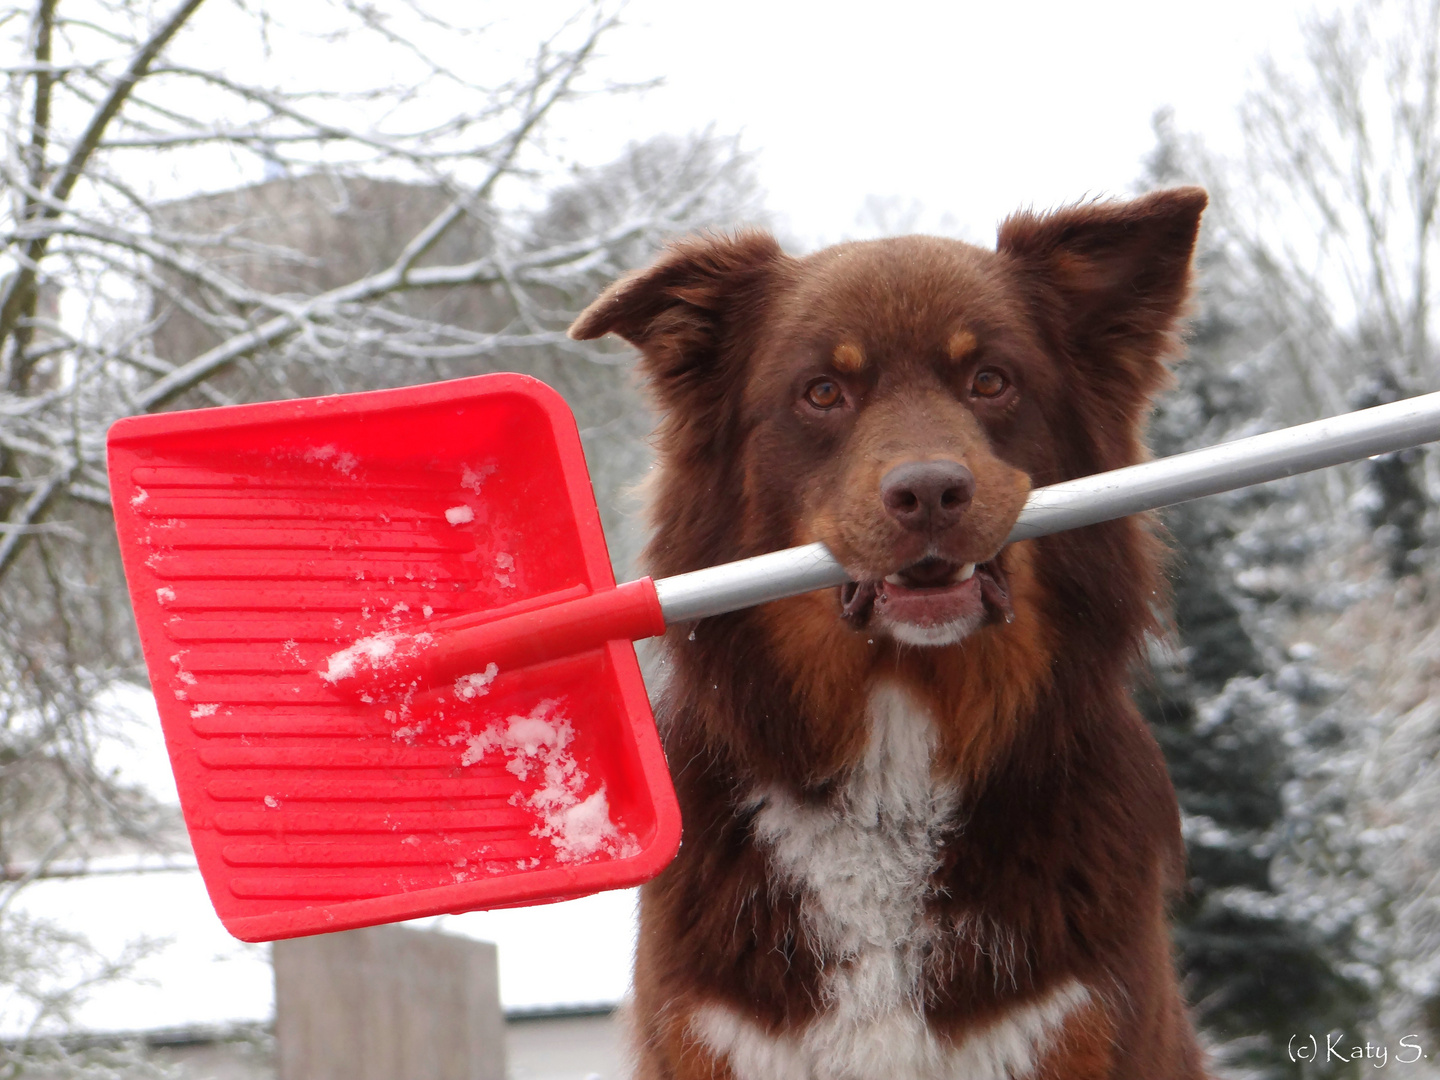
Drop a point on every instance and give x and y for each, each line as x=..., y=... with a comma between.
x=988, y=383
x=824, y=394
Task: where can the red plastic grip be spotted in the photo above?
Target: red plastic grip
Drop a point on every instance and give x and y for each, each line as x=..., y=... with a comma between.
x=572, y=625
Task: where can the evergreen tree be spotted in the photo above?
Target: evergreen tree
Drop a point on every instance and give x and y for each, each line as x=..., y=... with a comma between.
x=1395, y=501
x=1239, y=719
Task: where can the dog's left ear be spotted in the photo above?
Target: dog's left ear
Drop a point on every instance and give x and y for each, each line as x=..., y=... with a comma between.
x=1113, y=280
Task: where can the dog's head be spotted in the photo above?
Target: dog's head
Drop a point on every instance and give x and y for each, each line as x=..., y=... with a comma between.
x=898, y=399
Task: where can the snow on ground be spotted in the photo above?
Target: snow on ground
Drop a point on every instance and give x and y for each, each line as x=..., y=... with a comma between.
x=201, y=976
x=573, y=953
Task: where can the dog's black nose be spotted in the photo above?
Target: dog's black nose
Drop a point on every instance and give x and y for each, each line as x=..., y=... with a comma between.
x=927, y=496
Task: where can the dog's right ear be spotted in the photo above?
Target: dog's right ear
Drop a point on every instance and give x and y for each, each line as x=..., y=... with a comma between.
x=679, y=311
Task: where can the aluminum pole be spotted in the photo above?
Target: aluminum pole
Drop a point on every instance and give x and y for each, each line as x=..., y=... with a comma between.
x=1088, y=500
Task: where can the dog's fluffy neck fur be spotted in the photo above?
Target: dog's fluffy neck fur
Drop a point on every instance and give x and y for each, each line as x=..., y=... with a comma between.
x=875, y=895
x=865, y=857
x=865, y=862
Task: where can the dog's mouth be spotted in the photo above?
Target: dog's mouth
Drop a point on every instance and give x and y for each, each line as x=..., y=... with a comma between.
x=932, y=601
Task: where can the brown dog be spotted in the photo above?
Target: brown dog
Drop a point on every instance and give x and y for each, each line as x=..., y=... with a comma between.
x=927, y=835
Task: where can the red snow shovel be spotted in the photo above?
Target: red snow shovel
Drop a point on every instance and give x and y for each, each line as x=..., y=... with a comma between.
x=391, y=661
x=260, y=541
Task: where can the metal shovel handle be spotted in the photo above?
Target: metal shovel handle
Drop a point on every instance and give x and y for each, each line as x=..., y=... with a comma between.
x=1090, y=499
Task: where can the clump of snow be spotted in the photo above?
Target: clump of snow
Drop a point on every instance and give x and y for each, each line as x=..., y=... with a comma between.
x=459, y=515
x=165, y=594
x=578, y=825
x=469, y=687
x=474, y=479
x=271, y=801
x=341, y=461
x=377, y=649
x=506, y=563
x=203, y=710
x=140, y=496
x=181, y=675
x=583, y=829
x=426, y=610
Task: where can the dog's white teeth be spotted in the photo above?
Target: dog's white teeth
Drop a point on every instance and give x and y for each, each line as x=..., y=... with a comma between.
x=965, y=573
x=893, y=579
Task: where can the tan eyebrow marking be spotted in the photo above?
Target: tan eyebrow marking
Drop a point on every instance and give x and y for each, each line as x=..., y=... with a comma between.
x=961, y=344
x=848, y=357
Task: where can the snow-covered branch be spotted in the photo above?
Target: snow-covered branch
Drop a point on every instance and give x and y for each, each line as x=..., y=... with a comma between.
x=343, y=196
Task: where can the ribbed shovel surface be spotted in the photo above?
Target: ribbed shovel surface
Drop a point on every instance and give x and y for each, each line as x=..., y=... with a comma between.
x=261, y=541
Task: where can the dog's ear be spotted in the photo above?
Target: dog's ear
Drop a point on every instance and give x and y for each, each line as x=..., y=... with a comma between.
x=682, y=312
x=1114, y=280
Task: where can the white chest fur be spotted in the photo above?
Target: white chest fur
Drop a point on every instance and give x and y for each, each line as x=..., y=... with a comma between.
x=864, y=864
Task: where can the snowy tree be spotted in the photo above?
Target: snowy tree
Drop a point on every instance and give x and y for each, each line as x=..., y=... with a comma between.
x=1313, y=601
x=1333, y=205
x=333, y=200
x=1332, y=214
x=1332, y=219
x=1235, y=714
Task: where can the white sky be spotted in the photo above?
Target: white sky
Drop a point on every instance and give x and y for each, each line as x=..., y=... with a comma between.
x=972, y=108
x=969, y=109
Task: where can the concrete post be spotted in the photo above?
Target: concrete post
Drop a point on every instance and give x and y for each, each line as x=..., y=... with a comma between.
x=387, y=1003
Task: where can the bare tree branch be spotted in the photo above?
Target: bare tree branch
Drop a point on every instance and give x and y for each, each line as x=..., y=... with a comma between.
x=17, y=295
x=410, y=227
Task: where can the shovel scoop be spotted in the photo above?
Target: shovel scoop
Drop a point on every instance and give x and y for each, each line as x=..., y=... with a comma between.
x=286, y=559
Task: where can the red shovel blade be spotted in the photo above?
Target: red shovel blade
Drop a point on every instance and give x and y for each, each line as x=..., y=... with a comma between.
x=263, y=542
